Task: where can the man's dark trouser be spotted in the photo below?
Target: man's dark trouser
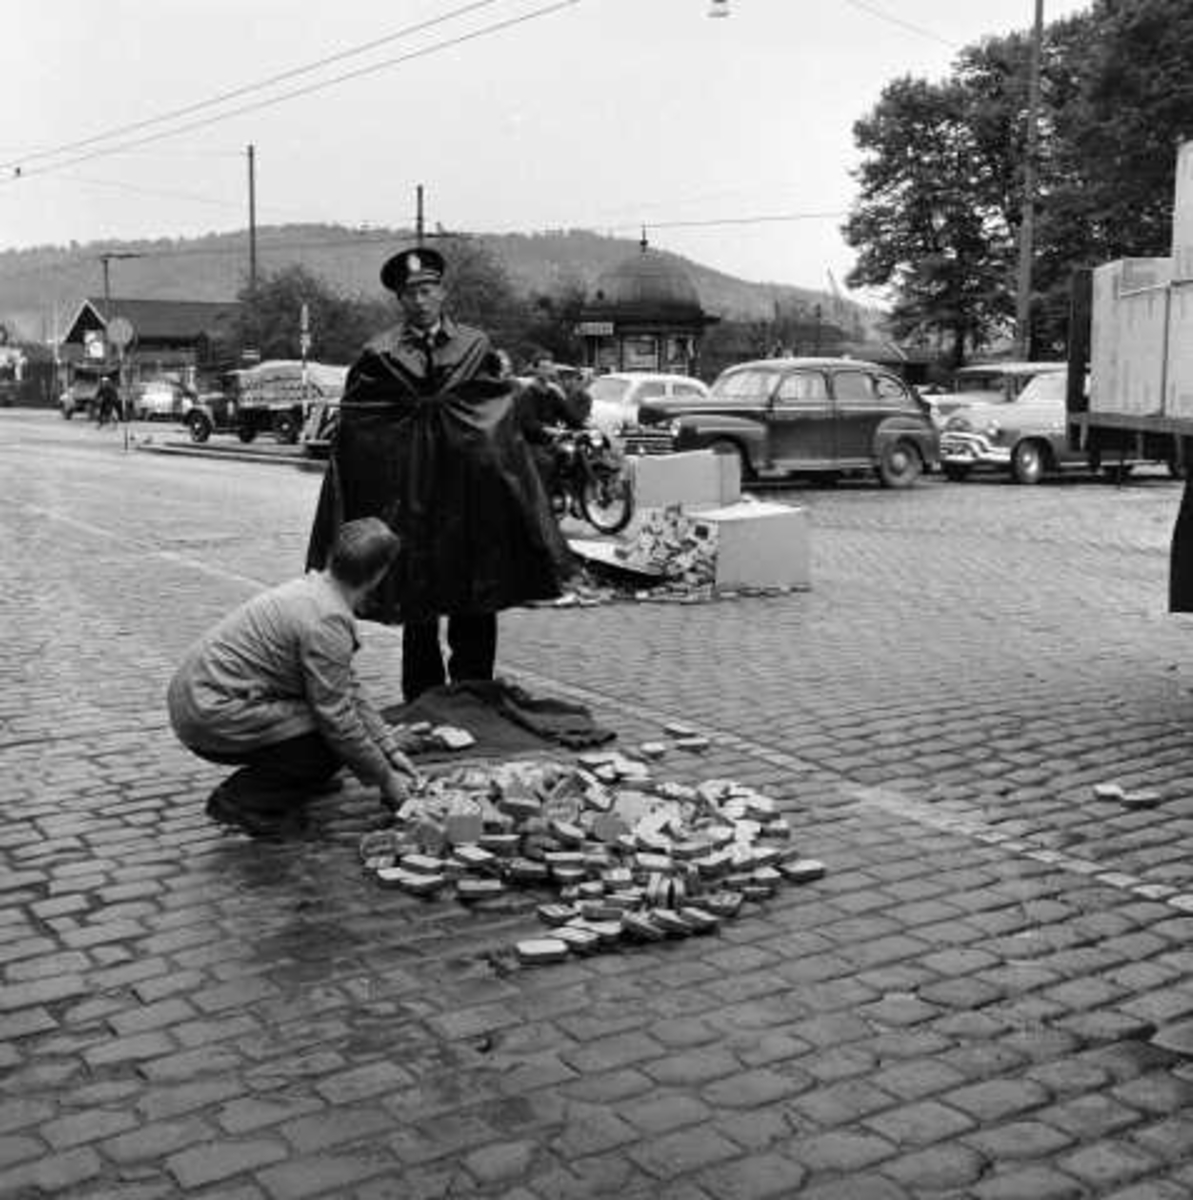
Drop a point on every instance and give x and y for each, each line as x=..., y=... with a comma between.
x=278, y=778
x=472, y=640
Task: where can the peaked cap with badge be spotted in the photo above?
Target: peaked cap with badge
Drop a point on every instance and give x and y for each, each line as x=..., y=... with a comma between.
x=420, y=265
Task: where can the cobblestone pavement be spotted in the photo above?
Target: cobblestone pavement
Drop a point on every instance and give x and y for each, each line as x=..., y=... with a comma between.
x=989, y=996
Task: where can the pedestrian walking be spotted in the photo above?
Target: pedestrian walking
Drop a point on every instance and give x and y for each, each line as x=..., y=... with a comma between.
x=271, y=688
x=107, y=403
x=429, y=441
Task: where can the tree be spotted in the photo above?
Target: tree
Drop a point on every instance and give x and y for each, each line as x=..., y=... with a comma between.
x=270, y=317
x=929, y=221
x=947, y=160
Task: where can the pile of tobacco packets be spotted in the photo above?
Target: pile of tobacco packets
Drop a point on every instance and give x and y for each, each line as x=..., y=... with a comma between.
x=681, y=548
x=630, y=859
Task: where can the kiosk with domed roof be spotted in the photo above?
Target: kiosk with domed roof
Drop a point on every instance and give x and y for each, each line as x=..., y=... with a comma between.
x=644, y=314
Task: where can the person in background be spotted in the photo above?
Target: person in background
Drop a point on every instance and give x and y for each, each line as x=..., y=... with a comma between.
x=271, y=688
x=429, y=441
x=107, y=402
x=543, y=406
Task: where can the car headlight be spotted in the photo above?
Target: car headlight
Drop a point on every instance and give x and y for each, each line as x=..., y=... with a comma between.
x=993, y=430
x=673, y=428
x=957, y=425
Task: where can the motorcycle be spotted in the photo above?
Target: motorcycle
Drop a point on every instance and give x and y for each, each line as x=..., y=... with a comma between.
x=589, y=480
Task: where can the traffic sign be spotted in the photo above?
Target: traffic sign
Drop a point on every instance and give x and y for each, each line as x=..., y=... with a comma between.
x=120, y=332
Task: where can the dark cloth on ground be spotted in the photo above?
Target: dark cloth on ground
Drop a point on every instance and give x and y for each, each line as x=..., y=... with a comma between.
x=504, y=718
x=428, y=442
x=472, y=645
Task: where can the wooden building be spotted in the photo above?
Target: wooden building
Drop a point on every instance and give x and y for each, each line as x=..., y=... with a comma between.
x=175, y=338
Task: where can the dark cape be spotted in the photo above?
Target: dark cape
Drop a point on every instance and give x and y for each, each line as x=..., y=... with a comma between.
x=438, y=456
x=1180, y=564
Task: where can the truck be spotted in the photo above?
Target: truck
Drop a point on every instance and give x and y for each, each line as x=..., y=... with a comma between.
x=276, y=396
x=1131, y=326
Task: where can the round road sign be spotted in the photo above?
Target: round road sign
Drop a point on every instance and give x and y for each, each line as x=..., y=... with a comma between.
x=120, y=331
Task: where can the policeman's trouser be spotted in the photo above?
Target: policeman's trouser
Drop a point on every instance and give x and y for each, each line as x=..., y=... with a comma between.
x=472, y=645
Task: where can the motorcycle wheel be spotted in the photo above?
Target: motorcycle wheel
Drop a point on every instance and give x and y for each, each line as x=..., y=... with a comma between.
x=607, y=504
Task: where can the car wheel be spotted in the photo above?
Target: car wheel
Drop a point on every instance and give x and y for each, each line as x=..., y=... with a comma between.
x=286, y=428
x=1177, y=469
x=955, y=472
x=899, y=464
x=1028, y=463
x=200, y=426
x=246, y=433
x=725, y=446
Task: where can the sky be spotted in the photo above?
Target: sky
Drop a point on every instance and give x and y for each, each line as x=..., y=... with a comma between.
x=729, y=138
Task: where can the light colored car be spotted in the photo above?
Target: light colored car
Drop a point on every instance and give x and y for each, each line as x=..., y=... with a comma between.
x=985, y=383
x=1025, y=437
x=161, y=400
x=617, y=397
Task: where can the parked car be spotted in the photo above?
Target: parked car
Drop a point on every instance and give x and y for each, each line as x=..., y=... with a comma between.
x=1025, y=437
x=796, y=416
x=161, y=400
x=78, y=397
x=617, y=397
x=985, y=383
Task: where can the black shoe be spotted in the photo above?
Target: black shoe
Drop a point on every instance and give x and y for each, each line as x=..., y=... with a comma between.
x=224, y=809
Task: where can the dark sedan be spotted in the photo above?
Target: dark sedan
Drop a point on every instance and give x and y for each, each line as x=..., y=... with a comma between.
x=798, y=416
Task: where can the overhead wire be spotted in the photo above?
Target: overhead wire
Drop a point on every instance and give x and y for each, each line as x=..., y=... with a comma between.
x=294, y=93
x=245, y=89
x=910, y=26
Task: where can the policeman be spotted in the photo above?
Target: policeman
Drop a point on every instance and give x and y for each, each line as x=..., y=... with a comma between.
x=429, y=441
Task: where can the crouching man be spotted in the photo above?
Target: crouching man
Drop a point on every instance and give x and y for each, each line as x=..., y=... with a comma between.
x=271, y=688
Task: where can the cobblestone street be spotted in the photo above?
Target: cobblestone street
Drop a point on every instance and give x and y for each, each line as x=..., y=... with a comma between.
x=989, y=996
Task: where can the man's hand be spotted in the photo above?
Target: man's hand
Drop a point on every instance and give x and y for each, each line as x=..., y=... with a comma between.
x=395, y=789
x=401, y=763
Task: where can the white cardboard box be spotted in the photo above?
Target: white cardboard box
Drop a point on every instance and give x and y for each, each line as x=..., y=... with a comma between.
x=760, y=544
x=696, y=479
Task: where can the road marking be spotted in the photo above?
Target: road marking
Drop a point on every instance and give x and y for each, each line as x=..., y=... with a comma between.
x=170, y=556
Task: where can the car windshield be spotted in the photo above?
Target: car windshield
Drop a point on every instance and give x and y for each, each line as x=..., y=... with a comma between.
x=607, y=388
x=744, y=385
x=1045, y=387
x=995, y=385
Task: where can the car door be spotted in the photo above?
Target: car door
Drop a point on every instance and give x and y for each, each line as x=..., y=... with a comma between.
x=800, y=423
x=863, y=400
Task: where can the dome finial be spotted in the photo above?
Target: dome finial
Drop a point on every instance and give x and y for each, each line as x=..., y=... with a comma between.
x=643, y=244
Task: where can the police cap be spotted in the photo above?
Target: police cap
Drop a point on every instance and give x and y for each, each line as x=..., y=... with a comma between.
x=412, y=266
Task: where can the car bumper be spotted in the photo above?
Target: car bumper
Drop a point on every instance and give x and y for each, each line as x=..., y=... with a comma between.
x=972, y=450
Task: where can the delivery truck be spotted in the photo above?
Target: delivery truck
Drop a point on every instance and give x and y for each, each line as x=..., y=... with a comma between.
x=1131, y=328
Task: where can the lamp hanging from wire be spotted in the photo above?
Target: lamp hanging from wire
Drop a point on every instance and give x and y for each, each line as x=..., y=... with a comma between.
x=718, y=8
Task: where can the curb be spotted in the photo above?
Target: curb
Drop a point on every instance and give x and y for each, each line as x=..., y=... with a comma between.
x=181, y=450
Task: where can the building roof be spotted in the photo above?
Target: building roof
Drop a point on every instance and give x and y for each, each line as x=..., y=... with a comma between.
x=646, y=286
x=180, y=321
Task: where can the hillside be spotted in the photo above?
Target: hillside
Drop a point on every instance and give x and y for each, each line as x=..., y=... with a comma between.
x=44, y=284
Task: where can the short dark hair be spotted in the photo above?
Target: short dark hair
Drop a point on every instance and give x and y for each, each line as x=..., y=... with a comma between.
x=362, y=549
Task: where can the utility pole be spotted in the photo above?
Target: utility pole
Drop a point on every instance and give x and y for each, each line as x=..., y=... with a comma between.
x=105, y=259
x=252, y=157
x=419, y=220
x=1027, y=222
